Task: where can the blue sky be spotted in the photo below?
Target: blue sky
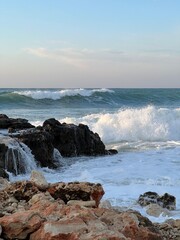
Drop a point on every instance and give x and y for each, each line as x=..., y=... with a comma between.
x=89, y=43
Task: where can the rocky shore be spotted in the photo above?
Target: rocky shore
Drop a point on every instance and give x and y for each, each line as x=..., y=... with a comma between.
x=35, y=209
x=68, y=140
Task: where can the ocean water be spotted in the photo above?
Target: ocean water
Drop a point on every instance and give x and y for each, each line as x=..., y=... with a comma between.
x=142, y=124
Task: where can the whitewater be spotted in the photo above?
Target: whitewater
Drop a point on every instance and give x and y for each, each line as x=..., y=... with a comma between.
x=142, y=124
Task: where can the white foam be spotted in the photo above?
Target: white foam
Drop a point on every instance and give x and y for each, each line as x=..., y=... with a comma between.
x=55, y=95
x=149, y=124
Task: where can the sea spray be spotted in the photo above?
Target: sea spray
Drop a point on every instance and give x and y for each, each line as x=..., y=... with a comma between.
x=147, y=124
x=18, y=158
x=58, y=159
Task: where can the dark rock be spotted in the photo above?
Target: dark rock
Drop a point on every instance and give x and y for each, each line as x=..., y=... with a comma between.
x=3, y=150
x=40, y=142
x=69, y=139
x=51, y=122
x=72, y=140
x=112, y=151
x=147, y=198
x=3, y=173
x=13, y=123
x=166, y=201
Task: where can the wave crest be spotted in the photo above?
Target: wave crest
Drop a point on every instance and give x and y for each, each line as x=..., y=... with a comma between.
x=134, y=124
x=58, y=94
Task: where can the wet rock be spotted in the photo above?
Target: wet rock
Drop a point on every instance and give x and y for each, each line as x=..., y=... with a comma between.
x=3, y=150
x=40, y=143
x=166, y=201
x=14, y=123
x=72, y=140
x=4, y=174
x=112, y=151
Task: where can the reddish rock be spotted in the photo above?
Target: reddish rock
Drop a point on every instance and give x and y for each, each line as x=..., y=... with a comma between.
x=19, y=225
x=44, y=216
x=76, y=191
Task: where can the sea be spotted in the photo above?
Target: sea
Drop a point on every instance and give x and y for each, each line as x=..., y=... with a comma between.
x=142, y=124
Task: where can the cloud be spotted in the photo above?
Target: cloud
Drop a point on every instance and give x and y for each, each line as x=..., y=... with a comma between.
x=86, y=58
x=73, y=56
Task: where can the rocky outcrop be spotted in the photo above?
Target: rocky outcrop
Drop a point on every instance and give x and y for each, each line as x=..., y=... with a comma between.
x=72, y=140
x=40, y=143
x=13, y=123
x=165, y=201
x=69, y=140
x=71, y=211
x=28, y=212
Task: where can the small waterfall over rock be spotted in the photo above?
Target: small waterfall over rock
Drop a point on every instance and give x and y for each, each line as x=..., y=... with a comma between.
x=58, y=159
x=18, y=158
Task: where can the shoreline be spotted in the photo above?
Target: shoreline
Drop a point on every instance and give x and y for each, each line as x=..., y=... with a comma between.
x=76, y=212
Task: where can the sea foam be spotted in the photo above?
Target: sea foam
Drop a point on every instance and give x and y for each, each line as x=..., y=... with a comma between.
x=58, y=94
x=149, y=124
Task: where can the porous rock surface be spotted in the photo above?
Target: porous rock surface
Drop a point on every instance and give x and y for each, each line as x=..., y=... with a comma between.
x=28, y=211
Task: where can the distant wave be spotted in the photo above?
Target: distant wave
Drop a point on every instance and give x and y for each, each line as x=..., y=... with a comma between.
x=88, y=98
x=58, y=94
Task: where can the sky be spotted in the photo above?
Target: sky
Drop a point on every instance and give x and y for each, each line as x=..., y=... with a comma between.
x=89, y=43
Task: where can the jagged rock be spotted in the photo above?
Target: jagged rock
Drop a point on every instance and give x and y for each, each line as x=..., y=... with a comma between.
x=39, y=180
x=166, y=201
x=76, y=191
x=170, y=229
x=4, y=174
x=20, y=225
x=22, y=190
x=69, y=139
x=72, y=140
x=3, y=150
x=40, y=143
x=18, y=123
x=31, y=213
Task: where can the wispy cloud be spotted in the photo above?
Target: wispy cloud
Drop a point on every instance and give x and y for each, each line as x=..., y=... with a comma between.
x=82, y=58
x=74, y=57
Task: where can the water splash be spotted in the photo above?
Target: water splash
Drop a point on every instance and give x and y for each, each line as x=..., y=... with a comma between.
x=18, y=158
x=58, y=159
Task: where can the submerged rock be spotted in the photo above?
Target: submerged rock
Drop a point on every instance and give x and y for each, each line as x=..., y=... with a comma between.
x=14, y=123
x=165, y=201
